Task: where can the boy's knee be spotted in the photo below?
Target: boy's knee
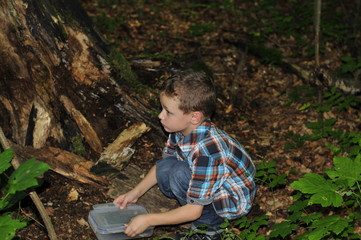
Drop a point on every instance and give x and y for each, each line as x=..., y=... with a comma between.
x=165, y=165
x=180, y=174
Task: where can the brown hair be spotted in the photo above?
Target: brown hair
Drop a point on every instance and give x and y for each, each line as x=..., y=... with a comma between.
x=194, y=89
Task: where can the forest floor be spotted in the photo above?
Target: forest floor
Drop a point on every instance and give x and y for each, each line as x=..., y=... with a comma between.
x=261, y=115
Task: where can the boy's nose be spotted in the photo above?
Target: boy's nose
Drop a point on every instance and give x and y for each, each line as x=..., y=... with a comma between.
x=160, y=115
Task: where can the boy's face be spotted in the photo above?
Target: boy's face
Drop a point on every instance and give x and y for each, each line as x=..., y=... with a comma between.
x=172, y=118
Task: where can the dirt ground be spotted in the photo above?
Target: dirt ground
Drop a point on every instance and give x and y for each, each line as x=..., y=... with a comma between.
x=259, y=118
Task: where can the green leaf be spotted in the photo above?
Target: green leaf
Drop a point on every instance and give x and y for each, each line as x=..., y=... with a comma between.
x=225, y=224
x=278, y=180
x=316, y=234
x=326, y=225
x=260, y=173
x=324, y=192
x=5, y=159
x=333, y=223
x=25, y=175
x=305, y=106
x=8, y=227
x=310, y=218
x=282, y=229
x=346, y=169
x=298, y=206
x=11, y=199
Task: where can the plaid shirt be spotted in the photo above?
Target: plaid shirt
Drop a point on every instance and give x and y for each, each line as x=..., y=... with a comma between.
x=222, y=171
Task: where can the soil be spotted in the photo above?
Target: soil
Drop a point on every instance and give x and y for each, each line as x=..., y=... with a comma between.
x=261, y=116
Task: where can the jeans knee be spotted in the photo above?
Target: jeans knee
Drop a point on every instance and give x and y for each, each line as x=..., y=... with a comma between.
x=179, y=174
x=179, y=178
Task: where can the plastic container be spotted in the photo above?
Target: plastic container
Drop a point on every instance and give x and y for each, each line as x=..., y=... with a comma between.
x=107, y=221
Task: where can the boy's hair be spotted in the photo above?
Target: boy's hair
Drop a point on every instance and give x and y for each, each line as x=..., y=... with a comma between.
x=194, y=89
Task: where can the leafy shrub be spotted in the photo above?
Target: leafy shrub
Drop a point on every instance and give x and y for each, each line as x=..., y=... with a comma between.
x=13, y=189
x=245, y=228
x=338, y=189
x=267, y=175
x=350, y=64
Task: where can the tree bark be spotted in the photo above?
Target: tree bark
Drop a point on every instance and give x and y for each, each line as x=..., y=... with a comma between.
x=61, y=84
x=57, y=80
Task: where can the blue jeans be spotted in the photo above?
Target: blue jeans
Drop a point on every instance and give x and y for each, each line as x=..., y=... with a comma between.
x=173, y=178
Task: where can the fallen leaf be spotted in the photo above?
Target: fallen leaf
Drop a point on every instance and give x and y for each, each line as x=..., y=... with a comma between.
x=73, y=195
x=50, y=211
x=82, y=222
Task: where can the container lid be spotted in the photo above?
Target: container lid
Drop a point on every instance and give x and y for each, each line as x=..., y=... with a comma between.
x=108, y=218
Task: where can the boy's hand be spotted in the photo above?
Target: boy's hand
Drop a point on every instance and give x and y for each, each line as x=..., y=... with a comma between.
x=129, y=197
x=137, y=225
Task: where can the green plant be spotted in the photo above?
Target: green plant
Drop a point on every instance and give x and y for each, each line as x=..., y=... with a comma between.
x=303, y=92
x=347, y=141
x=198, y=30
x=266, y=174
x=283, y=229
x=295, y=141
x=324, y=127
x=337, y=190
x=350, y=64
x=13, y=189
x=245, y=228
x=335, y=98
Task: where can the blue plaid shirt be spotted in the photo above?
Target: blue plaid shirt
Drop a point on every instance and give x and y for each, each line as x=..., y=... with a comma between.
x=222, y=171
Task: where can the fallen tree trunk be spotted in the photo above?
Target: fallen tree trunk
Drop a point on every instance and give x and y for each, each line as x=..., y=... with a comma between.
x=320, y=76
x=63, y=162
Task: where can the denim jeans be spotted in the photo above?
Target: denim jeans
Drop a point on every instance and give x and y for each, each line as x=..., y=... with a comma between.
x=173, y=178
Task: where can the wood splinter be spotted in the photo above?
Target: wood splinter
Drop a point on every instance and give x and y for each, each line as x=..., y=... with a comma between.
x=116, y=156
x=91, y=137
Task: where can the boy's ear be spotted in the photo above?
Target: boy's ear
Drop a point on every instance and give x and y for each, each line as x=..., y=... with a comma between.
x=197, y=117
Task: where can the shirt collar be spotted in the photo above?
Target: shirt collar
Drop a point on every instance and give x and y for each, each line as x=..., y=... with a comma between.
x=196, y=135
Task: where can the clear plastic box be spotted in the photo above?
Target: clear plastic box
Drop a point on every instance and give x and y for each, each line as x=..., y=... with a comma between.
x=107, y=221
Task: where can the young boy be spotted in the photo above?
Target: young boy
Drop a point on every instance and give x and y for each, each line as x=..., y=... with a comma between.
x=207, y=171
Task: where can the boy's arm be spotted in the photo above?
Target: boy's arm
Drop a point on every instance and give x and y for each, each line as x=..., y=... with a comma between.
x=133, y=195
x=182, y=214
